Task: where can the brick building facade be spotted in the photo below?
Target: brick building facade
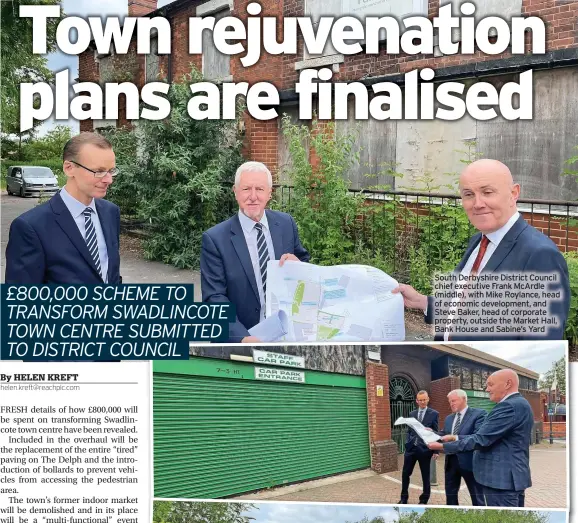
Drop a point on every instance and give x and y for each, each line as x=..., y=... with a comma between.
x=535, y=151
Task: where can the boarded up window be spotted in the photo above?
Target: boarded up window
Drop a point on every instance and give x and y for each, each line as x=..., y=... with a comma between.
x=316, y=9
x=152, y=62
x=216, y=65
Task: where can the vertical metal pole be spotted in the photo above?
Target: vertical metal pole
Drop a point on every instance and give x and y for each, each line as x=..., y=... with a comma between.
x=433, y=474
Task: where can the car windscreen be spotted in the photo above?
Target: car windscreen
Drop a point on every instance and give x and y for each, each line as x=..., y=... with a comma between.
x=38, y=172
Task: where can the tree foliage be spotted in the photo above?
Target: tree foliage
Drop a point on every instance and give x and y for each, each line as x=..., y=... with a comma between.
x=49, y=146
x=18, y=63
x=558, y=373
x=201, y=512
x=177, y=174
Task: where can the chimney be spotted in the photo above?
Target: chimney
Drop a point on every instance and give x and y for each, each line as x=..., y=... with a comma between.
x=141, y=7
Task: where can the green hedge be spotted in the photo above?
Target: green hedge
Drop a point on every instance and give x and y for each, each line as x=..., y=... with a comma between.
x=55, y=165
x=572, y=324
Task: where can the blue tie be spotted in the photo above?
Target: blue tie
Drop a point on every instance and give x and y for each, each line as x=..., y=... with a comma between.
x=90, y=238
x=263, y=254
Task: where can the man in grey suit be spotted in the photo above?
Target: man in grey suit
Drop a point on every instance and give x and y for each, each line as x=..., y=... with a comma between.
x=501, y=461
x=463, y=421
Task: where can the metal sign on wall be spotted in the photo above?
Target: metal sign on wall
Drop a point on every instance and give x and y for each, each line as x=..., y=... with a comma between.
x=480, y=394
x=271, y=374
x=273, y=358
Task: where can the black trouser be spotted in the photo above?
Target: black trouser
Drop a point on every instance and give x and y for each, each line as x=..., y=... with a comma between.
x=409, y=461
x=503, y=498
x=453, y=476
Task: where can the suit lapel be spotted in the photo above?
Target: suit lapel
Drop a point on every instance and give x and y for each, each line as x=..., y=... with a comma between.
x=240, y=245
x=276, y=236
x=106, y=231
x=68, y=225
x=506, y=245
x=463, y=421
x=473, y=244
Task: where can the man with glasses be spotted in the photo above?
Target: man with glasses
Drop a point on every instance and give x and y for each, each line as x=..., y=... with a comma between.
x=416, y=450
x=74, y=237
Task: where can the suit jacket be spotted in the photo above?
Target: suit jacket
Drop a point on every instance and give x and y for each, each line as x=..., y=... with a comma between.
x=502, y=446
x=470, y=424
x=45, y=246
x=227, y=273
x=431, y=421
x=522, y=249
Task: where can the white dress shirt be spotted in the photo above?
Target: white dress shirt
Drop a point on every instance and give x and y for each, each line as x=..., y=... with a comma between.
x=494, y=240
x=462, y=414
x=250, y=233
x=507, y=396
x=76, y=209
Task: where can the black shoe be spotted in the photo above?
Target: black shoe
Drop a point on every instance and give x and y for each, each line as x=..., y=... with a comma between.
x=423, y=502
x=402, y=502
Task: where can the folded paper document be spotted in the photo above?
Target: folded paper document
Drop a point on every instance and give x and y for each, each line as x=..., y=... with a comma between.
x=271, y=329
x=426, y=435
x=338, y=303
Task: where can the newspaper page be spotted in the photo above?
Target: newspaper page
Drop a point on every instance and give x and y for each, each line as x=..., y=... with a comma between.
x=338, y=303
x=74, y=443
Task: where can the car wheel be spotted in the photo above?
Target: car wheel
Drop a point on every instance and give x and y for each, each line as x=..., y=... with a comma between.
x=8, y=191
x=22, y=192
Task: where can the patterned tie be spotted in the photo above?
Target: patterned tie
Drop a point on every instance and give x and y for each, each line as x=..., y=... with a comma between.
x=420, y=416
x=457, y=425
x=90, y=239
x=483, y=248
x=263, y=254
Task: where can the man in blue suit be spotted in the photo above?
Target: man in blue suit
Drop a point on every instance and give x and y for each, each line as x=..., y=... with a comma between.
x=501, y=446
x=505, y=244
x=463, y=421
x=234, y=253
x=416, y=450
x=74, y=237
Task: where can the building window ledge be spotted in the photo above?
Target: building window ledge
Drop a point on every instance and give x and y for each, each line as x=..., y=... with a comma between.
x=320, y=62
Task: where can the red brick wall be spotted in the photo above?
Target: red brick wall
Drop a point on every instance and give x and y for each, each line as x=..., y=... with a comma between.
x=561, y=32
x=87, y=72
x=558, y=429
x=383, y=448
x=533, y=397
x=439, y=390
x=141, y=7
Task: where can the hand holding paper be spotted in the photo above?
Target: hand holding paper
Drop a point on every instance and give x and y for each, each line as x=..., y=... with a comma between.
x=426, y=435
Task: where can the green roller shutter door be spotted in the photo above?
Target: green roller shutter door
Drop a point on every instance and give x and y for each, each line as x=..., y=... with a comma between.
x=220, y=436
x=478, y=401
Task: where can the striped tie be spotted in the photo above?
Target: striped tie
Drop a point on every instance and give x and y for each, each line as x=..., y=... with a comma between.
x=457, y=425
x=90, y=239
x=263, y=254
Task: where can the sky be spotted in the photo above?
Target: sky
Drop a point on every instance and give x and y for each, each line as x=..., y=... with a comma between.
x=58, y=61
x=536, y=356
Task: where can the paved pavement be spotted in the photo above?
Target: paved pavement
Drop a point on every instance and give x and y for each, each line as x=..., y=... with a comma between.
x=549, y=490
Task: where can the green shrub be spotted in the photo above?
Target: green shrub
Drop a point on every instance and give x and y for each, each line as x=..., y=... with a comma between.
x=572, y=323
x=177, y=174
x=55, y=165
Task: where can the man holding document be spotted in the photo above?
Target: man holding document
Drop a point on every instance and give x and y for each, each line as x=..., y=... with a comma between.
x=505, y=243
x=416, y=450
x=234, y=253
x=501, y=445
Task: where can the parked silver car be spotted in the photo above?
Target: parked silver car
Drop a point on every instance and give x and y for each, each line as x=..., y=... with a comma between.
x=28, y=180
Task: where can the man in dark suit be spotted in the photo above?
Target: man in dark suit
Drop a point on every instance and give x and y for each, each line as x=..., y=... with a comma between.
x=416, y=450
x=505, y=244
x=235, y=252
x=463, y=421
x=74, y=237
x=501, y=461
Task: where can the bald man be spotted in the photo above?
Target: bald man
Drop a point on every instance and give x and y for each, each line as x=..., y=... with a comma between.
x=501, y=461
x=504, y=243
